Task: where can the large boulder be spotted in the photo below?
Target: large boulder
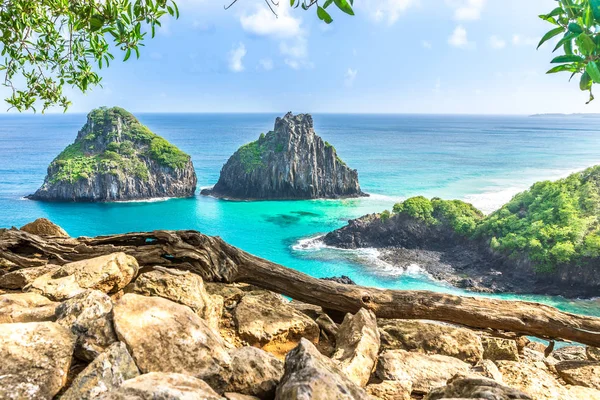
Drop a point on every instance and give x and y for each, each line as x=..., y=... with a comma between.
x=36, y=358
x=88, y=316
x=254, y=372
x=264, y=320
x=472, y=387
x=107, y=372
x=182, y=287
x=44, y=227
x=582, y=373
x=20, y=278
x=311, y=376
x=108, y=274
x=164, y=336
x=431, y=338
x=422, y=370
x=26, y=307
x=357, y=346
x=532, y=379
x=496, y=349
x=163, y=386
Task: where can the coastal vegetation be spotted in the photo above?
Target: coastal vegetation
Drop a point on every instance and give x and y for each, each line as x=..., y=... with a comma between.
x=552, y=223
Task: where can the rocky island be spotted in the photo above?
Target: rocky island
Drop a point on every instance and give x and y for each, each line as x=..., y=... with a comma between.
x=290, y=162
x=544, y=241
x=116, y=158
x=180, y=315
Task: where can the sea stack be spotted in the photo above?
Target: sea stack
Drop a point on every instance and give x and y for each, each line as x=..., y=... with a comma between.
x=116, y=158
x=290, y=162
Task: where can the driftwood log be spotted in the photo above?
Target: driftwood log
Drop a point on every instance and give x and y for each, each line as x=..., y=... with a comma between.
x=217, y=261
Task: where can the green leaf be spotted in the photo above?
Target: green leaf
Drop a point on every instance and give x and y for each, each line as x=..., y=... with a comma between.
x=127, y=55
x=586, y=44
x=549, y=35
x=586, y=82
x=593, y=70
x=344, y=6
x=323, y=15
x=568, y=37
x=563, y=68
x=575, y=28
x=96, y=22
x=567, y=59
x=595, y=6
x=327, y=3
x=568, y=48
x=556, y=12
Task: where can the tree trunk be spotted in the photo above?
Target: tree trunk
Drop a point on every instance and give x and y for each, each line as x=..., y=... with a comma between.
x=216, y=261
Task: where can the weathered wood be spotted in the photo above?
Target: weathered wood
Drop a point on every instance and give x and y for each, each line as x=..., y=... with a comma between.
x=215, y=260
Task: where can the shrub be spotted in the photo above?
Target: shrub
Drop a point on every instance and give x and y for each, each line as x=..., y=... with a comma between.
x=384, y=216
x=417, y=207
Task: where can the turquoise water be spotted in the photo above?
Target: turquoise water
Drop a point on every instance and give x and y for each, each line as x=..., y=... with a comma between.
x=484, y=160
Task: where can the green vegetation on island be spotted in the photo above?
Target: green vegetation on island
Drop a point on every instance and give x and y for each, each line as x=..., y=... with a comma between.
x=552, y=223
x=107, y=149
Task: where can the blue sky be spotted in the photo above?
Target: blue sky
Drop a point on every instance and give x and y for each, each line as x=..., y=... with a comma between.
x=394, y=56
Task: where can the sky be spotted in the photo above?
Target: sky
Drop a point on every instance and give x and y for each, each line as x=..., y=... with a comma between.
x=393, y=56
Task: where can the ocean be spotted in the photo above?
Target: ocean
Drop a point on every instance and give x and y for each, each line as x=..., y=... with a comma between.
x=481, y=159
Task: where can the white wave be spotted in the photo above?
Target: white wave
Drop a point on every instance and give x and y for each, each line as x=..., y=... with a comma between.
x=383, y=197
x=314, y=243
x=490, y=201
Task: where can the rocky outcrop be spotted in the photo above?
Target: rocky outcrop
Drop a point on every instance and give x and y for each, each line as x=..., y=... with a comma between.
x=290, y=162
x=116, y=158
x=35, y=359
x=26, y=307
x=254, y=372
x=23, y=277
x=582, y=373
x=44, y=227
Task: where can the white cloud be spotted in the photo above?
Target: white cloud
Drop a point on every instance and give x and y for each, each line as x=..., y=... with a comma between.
x=387, y=10
x=295, y=53
x=467, y=10
x=350, y=77
x=236, y=58
x=438, y=86
x=264, y=23
x=459, y=38
x=427, y=44
x=266, y=64
x=520, y=40
x=497, y=42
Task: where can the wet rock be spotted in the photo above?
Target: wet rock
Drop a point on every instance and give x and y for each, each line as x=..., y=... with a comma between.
x=107, y=372
x=23, y=277
x=496, y=349
x=310, y=375
x=475, y=388
x=163, y=386
x=423, y=371
x=36, y=357
x=108, y=274
x=164, y=336
x=357, y=346
x=44, y=227
x=532, y=379
x=581, y=373
x=26, y=307
x=431, y=338
x=254, y=372
x=89, y=317
x=390, y=390
x=182, y=287
x=570, y=353
x=344, y=280
x=264, y=320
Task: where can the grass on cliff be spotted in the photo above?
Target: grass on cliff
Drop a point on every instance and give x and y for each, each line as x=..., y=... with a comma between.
x=81, y=159
x=552, y=223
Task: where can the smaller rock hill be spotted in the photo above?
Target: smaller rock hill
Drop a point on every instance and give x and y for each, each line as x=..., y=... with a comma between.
x=116, y=158
x=290, y=162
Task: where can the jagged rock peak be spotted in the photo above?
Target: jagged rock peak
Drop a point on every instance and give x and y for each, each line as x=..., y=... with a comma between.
x=116, y=158
x=290, y=162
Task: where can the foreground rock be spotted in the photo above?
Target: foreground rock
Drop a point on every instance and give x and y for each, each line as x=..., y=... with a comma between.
x=310, y=375
x=532, y=379
x=423, y=371
x=23, y=277
x=290, y=162
x=254, y=372
x=35, y=359
x=264, y=320
x=44, y=227
x=26, y=307
x=164, y=336
x=116, y=158
x=88, y=316
x=108, y=274
x=182, y=287
x=475, y=388
x=582, y=373
x=390, y=390
x=163, y=386
x=107, y=372
x=431, y=338
x=357, y=346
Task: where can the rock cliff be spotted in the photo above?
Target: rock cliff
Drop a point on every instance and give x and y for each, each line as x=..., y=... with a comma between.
x=116, y=158
x=290, y=162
